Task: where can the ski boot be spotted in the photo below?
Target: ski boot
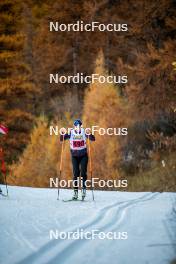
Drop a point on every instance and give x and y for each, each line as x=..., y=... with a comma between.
x=75, y=195
x=83, y=193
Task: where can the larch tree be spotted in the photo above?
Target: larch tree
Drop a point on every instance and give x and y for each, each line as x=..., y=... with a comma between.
x=103, y=107
x=16, y=89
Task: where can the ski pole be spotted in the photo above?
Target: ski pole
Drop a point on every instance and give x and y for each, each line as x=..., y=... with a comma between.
x=3, y=169
x=5, y=179
x=90, y=167
x=60, y=167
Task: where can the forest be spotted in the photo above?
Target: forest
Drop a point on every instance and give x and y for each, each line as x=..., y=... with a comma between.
x=145, y=104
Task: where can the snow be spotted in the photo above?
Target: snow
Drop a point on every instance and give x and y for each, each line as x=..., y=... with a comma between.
x=29, y=214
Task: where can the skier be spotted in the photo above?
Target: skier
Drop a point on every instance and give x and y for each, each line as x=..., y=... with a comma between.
x=78, y=149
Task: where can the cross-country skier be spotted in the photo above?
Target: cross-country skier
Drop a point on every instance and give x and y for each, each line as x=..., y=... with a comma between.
x=78, y=149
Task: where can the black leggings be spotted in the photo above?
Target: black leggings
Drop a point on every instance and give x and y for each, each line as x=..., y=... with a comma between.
x=79, y=163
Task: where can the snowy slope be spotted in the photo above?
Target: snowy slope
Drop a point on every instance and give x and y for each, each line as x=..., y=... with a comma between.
x=28, y=215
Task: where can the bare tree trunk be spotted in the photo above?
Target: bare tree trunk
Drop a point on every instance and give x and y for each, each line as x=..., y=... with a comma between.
x=75, y=70
x=107, y=61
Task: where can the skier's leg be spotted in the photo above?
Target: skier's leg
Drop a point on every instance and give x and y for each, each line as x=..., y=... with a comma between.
x=84, y=162
x=76, y=173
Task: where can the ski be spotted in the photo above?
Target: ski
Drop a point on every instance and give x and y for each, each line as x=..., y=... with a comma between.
x=3, y=195
x=74, y=200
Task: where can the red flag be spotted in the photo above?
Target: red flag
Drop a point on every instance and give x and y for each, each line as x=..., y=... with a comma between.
x=3, y=130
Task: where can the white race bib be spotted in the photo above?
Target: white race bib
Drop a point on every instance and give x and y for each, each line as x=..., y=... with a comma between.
x=77, y=140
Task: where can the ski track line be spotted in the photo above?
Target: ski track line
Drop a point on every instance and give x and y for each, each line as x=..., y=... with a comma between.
x=104, y=211
x=26, y=241
x=76, y=244
x=73, y=244
x=52, y=244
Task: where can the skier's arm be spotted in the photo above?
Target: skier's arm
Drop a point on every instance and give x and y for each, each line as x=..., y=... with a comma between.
x=64, y=137
x=91, y=137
